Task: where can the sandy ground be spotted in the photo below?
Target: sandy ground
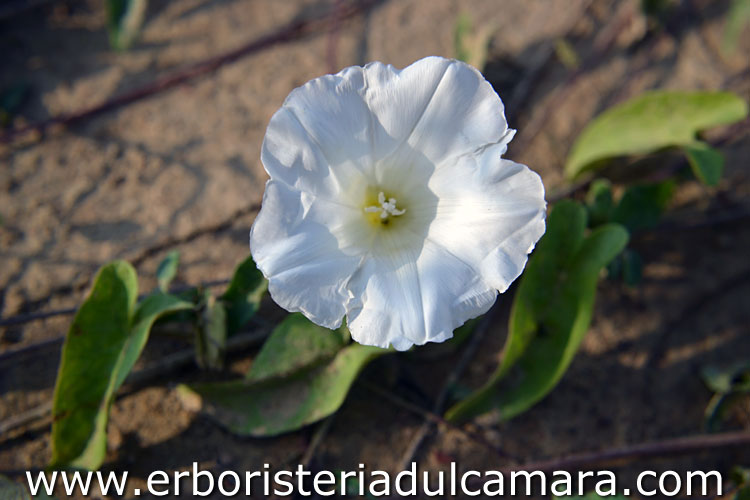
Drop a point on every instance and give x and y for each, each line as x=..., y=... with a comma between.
x=182, y=170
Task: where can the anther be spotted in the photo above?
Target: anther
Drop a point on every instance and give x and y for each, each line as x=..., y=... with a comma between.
x=387, y=207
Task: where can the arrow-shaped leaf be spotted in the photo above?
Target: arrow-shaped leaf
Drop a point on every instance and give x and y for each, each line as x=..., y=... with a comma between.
x=124, y=19
x=243, y=296
x=706, y=162
x=650, y=122
x=551, y=312
x=104, y=341
x=274, y=406
x=295, y=344
x=167, y=270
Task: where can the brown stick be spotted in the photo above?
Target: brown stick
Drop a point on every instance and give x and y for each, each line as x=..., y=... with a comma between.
x=292, y=31
x=317, y=439
x=450, y=381
x=604, y=41
x=435, y=418
x=665, y=448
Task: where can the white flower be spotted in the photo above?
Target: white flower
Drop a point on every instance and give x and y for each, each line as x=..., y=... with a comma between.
x=389, y=202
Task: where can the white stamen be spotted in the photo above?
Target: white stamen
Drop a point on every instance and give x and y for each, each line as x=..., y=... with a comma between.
x=386, y=208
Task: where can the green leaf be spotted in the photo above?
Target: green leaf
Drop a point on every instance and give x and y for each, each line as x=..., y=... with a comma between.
x=737, y=19
x=641, y=206
x=556, y=250
x=41, y=495
x=13, y=97
x=211, y=334
x=102, y=345
x=707, y=163
x=551, y=312
x=740, y=475
x=655, y=8
x=632, y=267
x=150, y=309
x=599, y=202
x=717, y=408
x=567, y=54
x=724, y=380
x=653, y=121
x=167, y=270
x=11, y=490
x=730, y=384
x=242, y=298
x=124, y=20
x=560, y=332
x=461, y=30
x=274, y=406
x=471, y=45
x=91, y=352
x=11, y=100
x=295, y=344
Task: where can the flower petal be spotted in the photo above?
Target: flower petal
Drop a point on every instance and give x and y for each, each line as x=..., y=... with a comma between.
x=492, y=218
x=319, y=140
x=398, y=99
x=413, y=297
x=294, y=244
x=445, y=108
x=430, y=135
x=331, y=133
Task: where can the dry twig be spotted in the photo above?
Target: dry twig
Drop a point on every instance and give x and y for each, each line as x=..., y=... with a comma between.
x=437, y=419
x=619, y=456
x=450, y=381
x=291, y=32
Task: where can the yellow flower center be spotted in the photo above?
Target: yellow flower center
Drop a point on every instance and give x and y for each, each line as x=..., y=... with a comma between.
x=382, y=212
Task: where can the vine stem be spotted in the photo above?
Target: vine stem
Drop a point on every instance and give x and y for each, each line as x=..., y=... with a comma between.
x=317, y=439
x=435, y=418
x=664, y=448
x=453, y=377
x=288, y=33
